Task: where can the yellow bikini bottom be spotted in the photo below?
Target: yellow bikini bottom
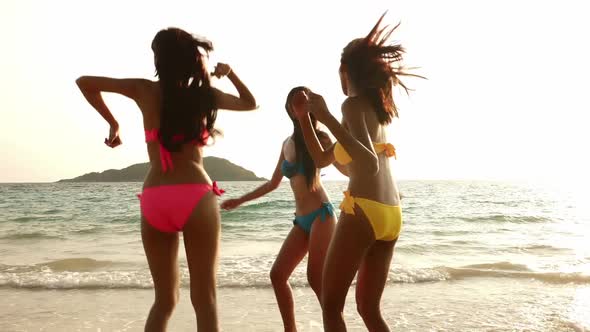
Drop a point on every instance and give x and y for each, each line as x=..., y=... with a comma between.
x=386, y=220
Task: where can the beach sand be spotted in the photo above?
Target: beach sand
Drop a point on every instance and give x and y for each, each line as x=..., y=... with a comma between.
x=485, y=305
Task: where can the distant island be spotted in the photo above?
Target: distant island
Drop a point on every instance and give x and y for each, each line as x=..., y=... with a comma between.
x=219, y=169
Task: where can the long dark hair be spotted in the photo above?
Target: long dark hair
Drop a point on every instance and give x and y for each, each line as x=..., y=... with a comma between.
x=311, y=174
x=374, y=66
x=188, y=107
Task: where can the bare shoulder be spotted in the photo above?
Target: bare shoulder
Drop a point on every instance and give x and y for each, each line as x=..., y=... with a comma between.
x=354, y=107
x=138, y=88
x=138, y=83
x=147, y=85
x=129, y=87
x=148, y=97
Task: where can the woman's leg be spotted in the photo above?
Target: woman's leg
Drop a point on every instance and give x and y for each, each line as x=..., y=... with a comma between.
x=161, y=250
x=201, y=241
x=319, y=240
x=292, y=252
x=370, y=283
x=352, y=238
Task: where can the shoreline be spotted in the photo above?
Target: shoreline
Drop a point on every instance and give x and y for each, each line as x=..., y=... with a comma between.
x=484, y=305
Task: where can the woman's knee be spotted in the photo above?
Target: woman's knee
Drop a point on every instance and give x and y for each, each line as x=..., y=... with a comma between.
x=331, y=305
x=166, y=303
x=203, y=298
x=315, y=282
x=368, y=311
x=277, y=276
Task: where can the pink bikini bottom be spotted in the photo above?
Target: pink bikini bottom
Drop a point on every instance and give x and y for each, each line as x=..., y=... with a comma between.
x=167, y=208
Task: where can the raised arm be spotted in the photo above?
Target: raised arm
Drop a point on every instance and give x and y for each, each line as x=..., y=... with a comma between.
x=262, y=190
x=357, y=142
x=321, y=157
x=92, y=86
x=328, y=146
x=245, y=101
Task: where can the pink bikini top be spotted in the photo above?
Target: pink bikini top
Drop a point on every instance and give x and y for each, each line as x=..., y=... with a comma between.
x=153, y=135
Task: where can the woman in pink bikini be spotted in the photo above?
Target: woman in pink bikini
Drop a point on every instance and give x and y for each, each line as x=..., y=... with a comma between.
x=179, y=112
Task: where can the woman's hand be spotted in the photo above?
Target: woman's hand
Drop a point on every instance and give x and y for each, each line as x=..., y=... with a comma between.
x=231, y=204
x=114, y=139
x=299, y=103
x=317, y=106
x=221, y=69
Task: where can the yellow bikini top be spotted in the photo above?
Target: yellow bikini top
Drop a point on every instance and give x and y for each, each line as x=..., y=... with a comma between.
x=343, y=158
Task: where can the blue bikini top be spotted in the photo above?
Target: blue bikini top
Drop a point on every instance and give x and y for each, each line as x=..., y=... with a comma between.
x=290, y=169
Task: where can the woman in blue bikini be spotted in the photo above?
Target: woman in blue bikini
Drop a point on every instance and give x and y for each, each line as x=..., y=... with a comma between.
x=314, y=214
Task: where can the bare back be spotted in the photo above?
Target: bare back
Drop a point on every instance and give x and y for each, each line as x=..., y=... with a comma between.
x=188, y=162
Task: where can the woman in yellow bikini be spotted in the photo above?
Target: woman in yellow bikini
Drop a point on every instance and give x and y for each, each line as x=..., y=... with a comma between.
x=371, y=216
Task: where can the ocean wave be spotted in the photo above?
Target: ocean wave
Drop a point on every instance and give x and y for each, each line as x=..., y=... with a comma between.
x=549, y=277
x=493, y=202
x=500, y=266
x=76, y=280
x=515, y=271
x=143, y=280
x=502, y=218
x=84, y=273
x=64, y=265
x=52, y=211
x=78, y=264
x=24, y=219
x=30, y=236
x=265, y=205
x=452, y=232
x=124, y=219
x=541, y=247
x=264, y=238
x=96, y=230
x=419, y=248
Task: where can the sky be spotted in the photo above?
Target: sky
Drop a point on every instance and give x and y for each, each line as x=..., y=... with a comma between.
x=506, y=95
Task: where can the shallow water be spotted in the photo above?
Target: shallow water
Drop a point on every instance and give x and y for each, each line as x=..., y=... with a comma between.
x=518, y=250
